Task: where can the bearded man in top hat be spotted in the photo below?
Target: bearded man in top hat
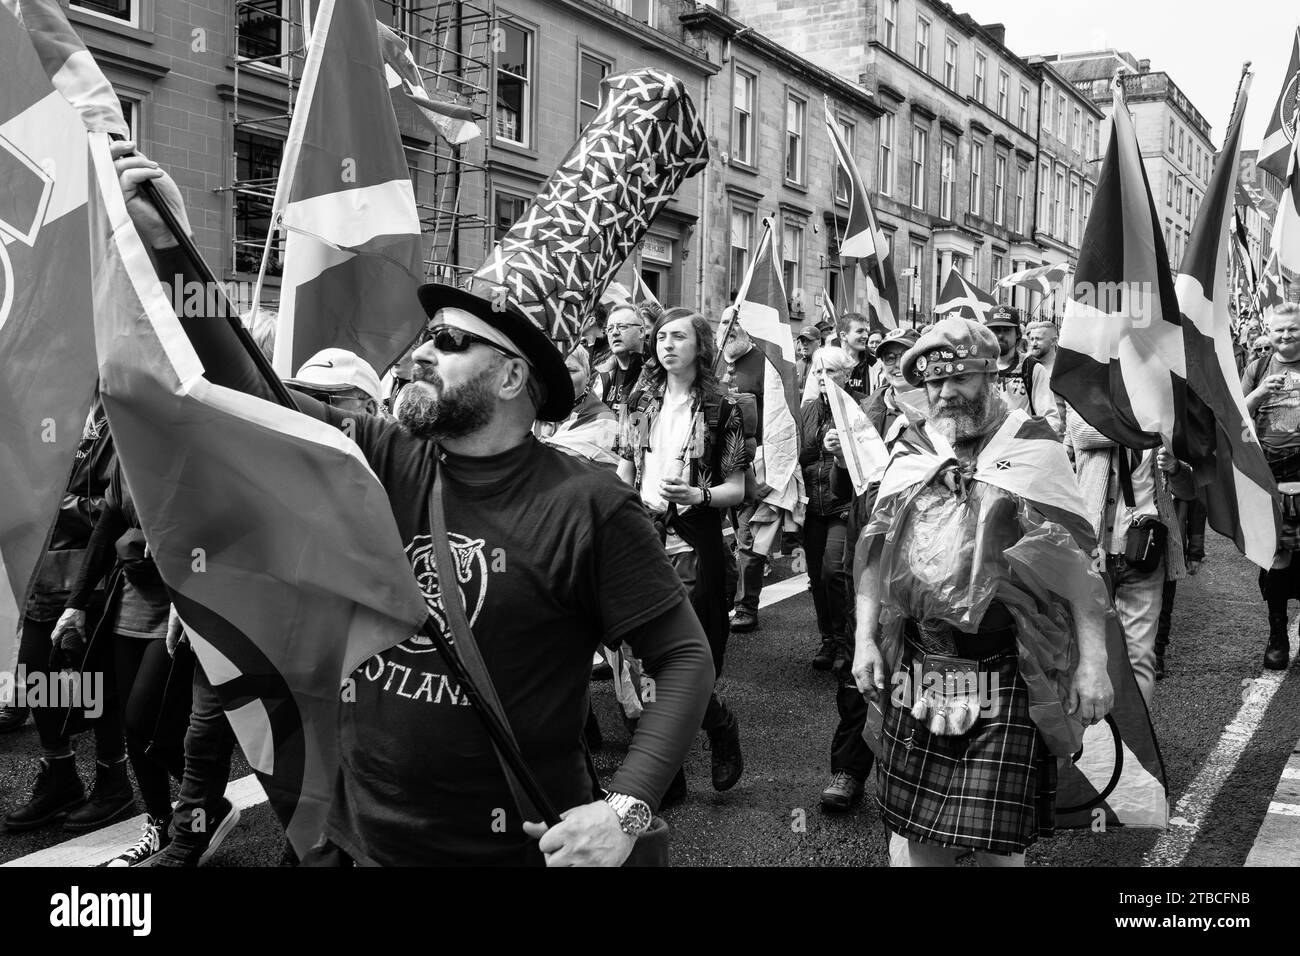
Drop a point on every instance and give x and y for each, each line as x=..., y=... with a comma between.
x=555, y=556
x=977, y=596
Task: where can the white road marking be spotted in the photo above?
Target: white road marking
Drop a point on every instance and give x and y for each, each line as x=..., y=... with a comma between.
x=1194, y=806
x=99, y=847
x=1285, y=809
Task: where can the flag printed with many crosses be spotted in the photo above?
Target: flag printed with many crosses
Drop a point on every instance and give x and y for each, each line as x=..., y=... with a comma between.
x=352, y=258
x=560, y=255
x=1113, y=767
x=1214, y=431
x=269, y=528
x=1281, y=130
x=961, y=298
x=1120, y=361
x=863, y=238
x=47, y=348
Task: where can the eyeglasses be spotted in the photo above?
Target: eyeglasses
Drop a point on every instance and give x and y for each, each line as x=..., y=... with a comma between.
x=623, y=327
x=450, y=339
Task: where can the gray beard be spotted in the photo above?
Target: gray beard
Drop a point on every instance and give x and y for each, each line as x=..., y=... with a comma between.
x=451, y=413
x=967, y=420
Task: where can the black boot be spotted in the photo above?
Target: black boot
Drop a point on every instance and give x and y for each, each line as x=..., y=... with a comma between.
x=724, y=745
x=1278, y=654
x=12, y=718
x=57, y=789
x=825, y=655
x=111, y=798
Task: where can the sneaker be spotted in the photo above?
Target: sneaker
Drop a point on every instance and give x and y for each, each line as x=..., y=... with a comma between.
x=842, y=792
x=195, y=849
x=743, y=621
x=825, y=655
x=12, y=718
x=153, y=839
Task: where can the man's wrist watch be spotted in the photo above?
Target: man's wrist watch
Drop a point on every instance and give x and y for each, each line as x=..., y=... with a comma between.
x=633, y=814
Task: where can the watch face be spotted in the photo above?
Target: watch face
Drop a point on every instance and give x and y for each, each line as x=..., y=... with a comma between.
x=637, y=818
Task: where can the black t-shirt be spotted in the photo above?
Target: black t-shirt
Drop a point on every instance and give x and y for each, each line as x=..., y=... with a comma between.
x=859, y=379
x=553, y=556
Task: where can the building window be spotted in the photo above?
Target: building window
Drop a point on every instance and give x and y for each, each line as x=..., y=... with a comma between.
x=1191, y=195
x=507, y=211
x=977, y=178
x=792, y=258
x=643, y=11
x=1089, y=139
x=1169, y=188
x=947, y=177
x=1087, y=208
x=514, y=86
x=1046, y=109
x=257, y=169
x=1022, y=114
x=1178, y=198
x=742, y=239
x=1022, y=190
x=262, y=32
x=1058, y=206
x=1074, y=213
x=1004, y=100
x=124, y=10
x=849, y=133
x=796, y=111
x=885, y=163
x=950, y=64
x=922, y=44
x=920, y=143
x=999, y=188
x=1076, y=128
x=1044, y=210
x=1060, y=117
x=999, y=265
x=591, y=71
x=131, y=113
x=1171, y=136
x=1180, y=145
x=915, y=262
x=891, y=24
x=981, y=66
x=1198, y=162
x=742, y=118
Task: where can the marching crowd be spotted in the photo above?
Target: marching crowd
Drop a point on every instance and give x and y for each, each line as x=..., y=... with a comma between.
x=618, y=479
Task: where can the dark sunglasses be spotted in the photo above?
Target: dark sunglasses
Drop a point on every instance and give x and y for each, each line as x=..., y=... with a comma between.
x=450, y=339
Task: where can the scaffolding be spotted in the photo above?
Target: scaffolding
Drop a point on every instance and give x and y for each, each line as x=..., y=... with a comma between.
x=452, y=44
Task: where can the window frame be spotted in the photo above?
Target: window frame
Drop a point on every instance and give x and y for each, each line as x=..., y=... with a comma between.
x=916, y=181
x=235, y=238
x=135, y=19
x=624, y=7
x=1022, y=110
x=797, y=228
x=1076, y=128
x=278, y=66
x=585, y=53
x=750, y=160
x=886, y=158
x=1004, y=95
x=736, y=207
x=1045, y=109
x=1045, y=196
x=977, y=178
x=1061, y=118
x=800, y=102
x=1058, y=202
x=890, y=24
x=1022, y=184
x=950, y=65
x=527, y=123
x=999, y=189
x=981, y=76
x=500, y=192
x=919, y=46
x=1072, y=212
x=947, y=178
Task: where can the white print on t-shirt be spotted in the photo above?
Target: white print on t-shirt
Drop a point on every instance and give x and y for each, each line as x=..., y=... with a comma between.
x=471, y=575
x=412, y=684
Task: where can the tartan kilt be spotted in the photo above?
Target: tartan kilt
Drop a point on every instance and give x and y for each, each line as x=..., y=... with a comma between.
x=992, y=789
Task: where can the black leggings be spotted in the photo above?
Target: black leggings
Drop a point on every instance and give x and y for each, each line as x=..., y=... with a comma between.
x=154, y=692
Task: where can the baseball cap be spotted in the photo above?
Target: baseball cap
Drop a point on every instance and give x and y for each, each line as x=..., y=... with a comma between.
x=810, y=333
x=337, y=370
x=1005, y=316
x=903, y=338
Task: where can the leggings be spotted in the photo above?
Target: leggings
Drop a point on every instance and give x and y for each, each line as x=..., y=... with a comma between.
x=154, y=693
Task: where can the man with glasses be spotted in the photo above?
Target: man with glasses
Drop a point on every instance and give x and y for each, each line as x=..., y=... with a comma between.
x=625, y=332
x=554, y=557
x=340, y=379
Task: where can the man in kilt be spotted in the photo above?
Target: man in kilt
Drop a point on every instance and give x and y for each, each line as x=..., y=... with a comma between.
x=978, y=598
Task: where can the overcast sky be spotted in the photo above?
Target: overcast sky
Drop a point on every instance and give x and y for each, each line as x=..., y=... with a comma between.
x=1201, y=45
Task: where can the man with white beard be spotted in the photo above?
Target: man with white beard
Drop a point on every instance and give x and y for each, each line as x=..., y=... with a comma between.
x=939, y=595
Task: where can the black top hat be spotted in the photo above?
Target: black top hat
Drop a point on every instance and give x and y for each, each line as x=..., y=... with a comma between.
x=546, y=361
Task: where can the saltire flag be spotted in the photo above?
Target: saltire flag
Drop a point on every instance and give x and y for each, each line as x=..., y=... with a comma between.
x=963, y=299
x=47, y=345
x=1041, y=279
x=1241, y=249
x=1281, y=130
x=1214, y=432
x=643, y=295
x=274, y=536
x=352, y=258
x=453, y=122
x=763, y=311
x=1120, y=359
x=1113, y=766
x=865, y=453
x=831, y=319
x=1269, y=291
x=864, y=239
x=1286, y=230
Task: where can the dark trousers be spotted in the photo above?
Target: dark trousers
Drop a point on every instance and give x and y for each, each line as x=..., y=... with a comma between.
x=154, y=692
x=34, y=658
x=1279, y=585
x=686, y=565
x=1166, y=615
x=749, y=566
x=849, y=752
x=209, y=743
x=824, y=541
